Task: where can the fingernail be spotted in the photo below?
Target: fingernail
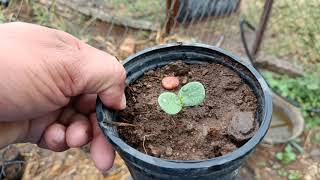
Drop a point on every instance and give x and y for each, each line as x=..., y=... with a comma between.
x=123, y=102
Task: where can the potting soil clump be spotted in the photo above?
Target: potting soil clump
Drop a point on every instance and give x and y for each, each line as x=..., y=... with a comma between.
x=221, y=124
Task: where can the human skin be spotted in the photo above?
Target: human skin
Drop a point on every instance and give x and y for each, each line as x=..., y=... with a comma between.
x=49, y=81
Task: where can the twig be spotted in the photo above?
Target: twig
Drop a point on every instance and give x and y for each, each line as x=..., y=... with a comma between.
x=220, y=41
x=144, y=148
x=13, y=162
x=124, y=119
x=174, y=123
x=295, y=144
x=19, y=10
x=6, y=163
x=150, y=38
x=143, y=142
x=87, y=24
x=307, y=140
x=144, y=14
x=52, y=8
x=120, y=124
x=278, y=125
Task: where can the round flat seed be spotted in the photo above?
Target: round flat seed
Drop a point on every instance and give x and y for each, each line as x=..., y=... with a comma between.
x=170, y=82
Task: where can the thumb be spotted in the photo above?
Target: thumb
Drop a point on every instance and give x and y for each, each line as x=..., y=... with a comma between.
x=94, y=72
x=104, y=76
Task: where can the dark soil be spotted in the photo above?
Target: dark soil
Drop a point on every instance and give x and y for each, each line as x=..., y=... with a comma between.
x=223, y=123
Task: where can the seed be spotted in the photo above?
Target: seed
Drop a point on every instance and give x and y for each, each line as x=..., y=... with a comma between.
x=170, y=82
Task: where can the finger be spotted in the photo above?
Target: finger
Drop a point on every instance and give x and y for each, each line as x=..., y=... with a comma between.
x=66, y=115
x=101, y=150
x=92, y=71
x=54, y=138
x=109, y=75
x=79, y=131
x=86, y=103
x=94, y=123
x=102, y=153
x=39, y=125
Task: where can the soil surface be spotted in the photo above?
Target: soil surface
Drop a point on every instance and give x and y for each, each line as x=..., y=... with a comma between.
x=223, y=123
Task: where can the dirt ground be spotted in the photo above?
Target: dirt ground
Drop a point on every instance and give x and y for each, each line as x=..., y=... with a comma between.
x=76, y=163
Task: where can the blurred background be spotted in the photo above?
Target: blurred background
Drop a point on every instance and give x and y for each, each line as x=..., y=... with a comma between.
x=280, y=38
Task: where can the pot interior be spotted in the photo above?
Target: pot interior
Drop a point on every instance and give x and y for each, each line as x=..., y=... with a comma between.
x=145, y=61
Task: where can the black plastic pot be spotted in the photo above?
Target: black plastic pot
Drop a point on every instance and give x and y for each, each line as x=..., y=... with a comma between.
x=143, y=166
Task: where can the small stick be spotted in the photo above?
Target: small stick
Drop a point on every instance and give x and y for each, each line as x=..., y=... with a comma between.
x=124, y=119
x=130, y=88
x=121, y=124
x=174, y=122
x=143, y=142
x=278, y=125
x=220, y=41
x=307, y=139
x=19, y=10
x=144, y=148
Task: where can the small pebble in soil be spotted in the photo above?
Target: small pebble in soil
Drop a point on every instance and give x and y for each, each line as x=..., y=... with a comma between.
x=150, y=103
x=180, y=141
x=204, y=72
x=149, y=72
x=169, y=151
x=242, y=125
x=189, y=127
x=239, y=102
x=213, y=132
x=156, y=151
x=170, y=82
x=184, y=80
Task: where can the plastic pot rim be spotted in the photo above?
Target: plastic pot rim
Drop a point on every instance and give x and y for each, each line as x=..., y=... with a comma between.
x=205, y=163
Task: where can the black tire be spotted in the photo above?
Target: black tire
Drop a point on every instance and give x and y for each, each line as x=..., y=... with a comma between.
x=194, y=9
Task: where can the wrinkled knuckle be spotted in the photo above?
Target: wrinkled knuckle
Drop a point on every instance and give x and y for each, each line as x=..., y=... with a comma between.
x=75, y=79
x=75, y=76
x=71, y=57
x=66, y=41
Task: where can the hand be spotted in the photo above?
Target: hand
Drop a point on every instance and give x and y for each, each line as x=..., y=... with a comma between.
x=49, y=81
